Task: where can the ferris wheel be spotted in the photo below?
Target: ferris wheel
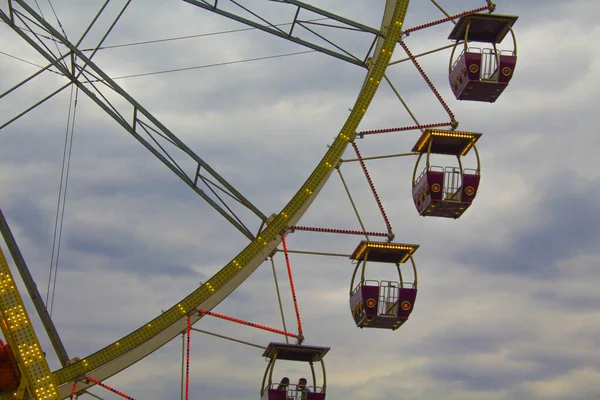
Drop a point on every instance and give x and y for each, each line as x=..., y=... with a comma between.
x=474, y=74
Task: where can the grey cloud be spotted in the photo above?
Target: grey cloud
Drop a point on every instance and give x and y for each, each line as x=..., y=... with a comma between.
x=537, y=250
x=119, y=247
x=475, y=377
x=28, y=213
x=564, y=302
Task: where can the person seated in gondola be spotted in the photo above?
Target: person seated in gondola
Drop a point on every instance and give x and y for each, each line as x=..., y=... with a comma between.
x=283, y=385
x=302, y=389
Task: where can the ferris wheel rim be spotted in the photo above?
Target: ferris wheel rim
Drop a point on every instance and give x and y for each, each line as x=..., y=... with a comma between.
x=113, y=360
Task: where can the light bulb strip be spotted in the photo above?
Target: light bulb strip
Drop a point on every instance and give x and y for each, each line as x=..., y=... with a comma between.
x=379, y=204
x=187, y=359
x=289, y=269
x=405, y=128
x=450, y=18
x=87, y=378
x=431, y=86
x=343, y=231
x=22, y=340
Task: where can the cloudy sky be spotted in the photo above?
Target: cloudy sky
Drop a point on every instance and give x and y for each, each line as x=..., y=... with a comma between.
x=508, y=294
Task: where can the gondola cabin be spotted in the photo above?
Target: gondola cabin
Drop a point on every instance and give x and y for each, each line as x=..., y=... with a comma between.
x=445, y=191
x=482, y=74
x=271, y=390
x=382, y=304
x=10, y=378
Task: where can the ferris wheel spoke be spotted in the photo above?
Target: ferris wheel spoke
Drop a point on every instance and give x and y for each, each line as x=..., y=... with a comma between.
x=32, y=290
x=439, y=7
x=31, y=77
x=150, y=132
x=22, y=113
x=425, y=53
x=108, y=31
x=229, y=338
x=313, y=34
x=397, y=93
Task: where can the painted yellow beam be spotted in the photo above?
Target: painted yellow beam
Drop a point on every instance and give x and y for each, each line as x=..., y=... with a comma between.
x=19, y=334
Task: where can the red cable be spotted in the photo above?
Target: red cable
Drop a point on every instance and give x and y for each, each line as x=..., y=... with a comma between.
x=289, y=268
x=424, y=75
x=364, y=167
x=404, y=128
x=187, y=360
x=344, y=231
x=252, y=324
x=109, y=388
x=73, y=390
x=440, y=21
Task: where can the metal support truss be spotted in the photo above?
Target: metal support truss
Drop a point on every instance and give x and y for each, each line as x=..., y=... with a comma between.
x=34, y=294
x=141, y=124
x=321, y=40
